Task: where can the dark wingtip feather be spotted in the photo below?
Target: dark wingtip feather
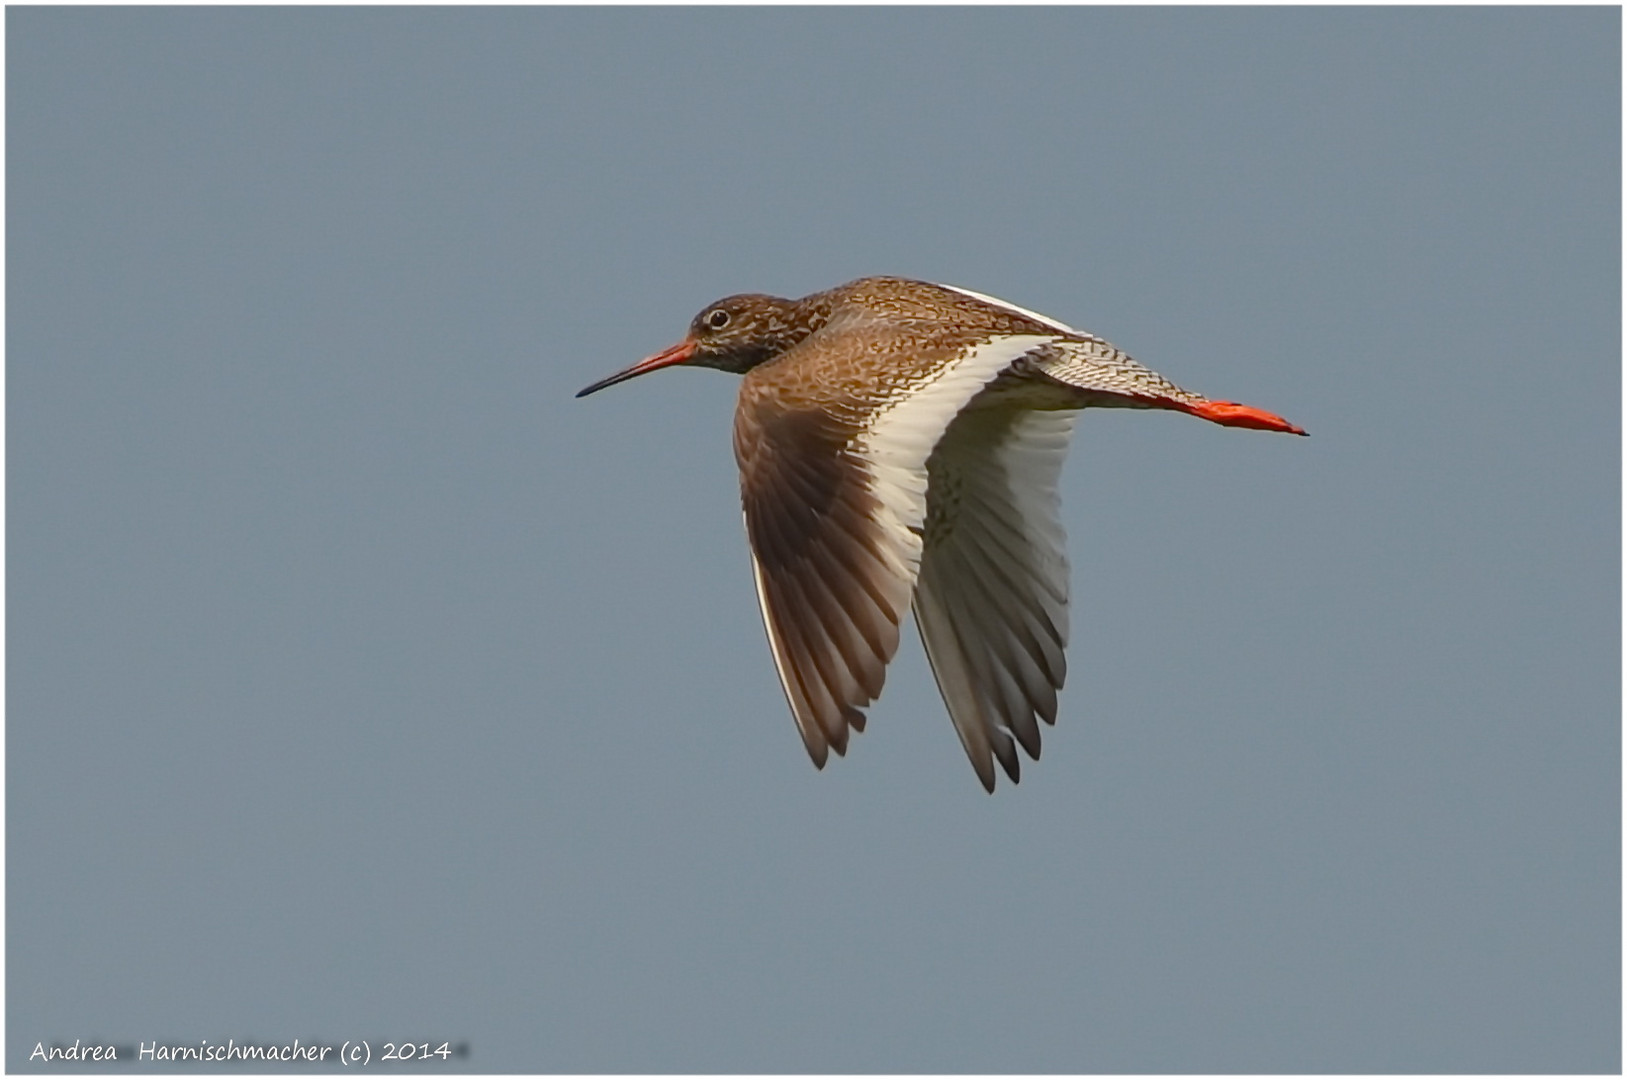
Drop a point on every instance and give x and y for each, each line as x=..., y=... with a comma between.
x=1005, y=751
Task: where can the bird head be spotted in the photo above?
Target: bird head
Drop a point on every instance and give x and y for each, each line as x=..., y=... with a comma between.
x=735, y=334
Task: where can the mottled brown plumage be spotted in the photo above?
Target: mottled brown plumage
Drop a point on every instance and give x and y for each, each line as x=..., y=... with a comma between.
x=899, y=444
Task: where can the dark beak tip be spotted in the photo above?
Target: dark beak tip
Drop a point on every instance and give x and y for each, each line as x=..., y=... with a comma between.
x=677, y=354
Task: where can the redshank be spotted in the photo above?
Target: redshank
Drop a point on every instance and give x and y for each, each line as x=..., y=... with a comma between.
x=899, y=445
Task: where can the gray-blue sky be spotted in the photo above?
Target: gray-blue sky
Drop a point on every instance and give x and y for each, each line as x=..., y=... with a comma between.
x=362, y=683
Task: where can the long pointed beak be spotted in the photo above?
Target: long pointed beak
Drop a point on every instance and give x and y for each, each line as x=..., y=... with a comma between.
x=677, y=354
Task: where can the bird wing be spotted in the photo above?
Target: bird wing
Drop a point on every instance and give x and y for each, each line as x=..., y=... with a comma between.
x=832, y=587
x=992, y=598
x=834, y=491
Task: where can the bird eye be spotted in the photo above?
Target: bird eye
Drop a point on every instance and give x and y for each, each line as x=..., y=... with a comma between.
x=717, y=318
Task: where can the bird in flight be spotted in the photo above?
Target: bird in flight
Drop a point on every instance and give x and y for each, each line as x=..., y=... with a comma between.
x=899, y=446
